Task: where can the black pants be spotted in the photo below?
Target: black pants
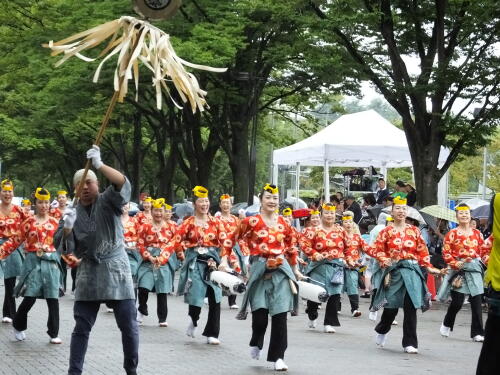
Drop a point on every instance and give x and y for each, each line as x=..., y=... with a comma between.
x=9, y=301
x=64, y=274
x=278, y=340
x=457, y=300
x=331, y=311
x=212, y=328
x=85, y=313
x=489, y=359
x=161, y=306
x=409, y=322
x=73, y=278
x=231, y=299
x=354, y=300
x=21, y=319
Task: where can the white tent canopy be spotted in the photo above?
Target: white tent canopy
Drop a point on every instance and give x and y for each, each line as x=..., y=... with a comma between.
x=359, y=139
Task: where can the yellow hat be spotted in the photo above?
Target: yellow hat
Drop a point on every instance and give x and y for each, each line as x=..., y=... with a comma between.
x=41, y=194
x=26, y=202
x=462, y=208
x=7, y=185
x=168, y=207
x=224, y=196
x=149, y=199
x=62, y=192
x=158, y=203
x=287, y=211
x=200, y=192
x=328, y=207
x=314, y=212
x=273, y=189
x=399, y=200
x=345, y=218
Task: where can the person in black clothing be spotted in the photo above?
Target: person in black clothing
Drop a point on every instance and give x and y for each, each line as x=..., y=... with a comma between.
x=411, y=193
x=382, y=191
x=352, y=205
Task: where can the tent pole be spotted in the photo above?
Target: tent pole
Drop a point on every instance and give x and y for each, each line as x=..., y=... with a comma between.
x=275, y=174
x=297, y=185
x=326, y=176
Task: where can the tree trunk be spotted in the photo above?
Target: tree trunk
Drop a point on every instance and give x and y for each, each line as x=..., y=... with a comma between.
x=238, y=161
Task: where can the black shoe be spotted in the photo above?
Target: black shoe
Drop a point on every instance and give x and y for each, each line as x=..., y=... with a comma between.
x=365, y=295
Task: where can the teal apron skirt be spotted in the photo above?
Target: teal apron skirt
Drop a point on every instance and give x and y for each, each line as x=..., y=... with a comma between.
x=328, y=272
x=472, y=283
x=12, y=266
x=194, y=278
x=158, y=280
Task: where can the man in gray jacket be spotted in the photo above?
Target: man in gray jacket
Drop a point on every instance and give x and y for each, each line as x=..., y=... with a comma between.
x=91, y=234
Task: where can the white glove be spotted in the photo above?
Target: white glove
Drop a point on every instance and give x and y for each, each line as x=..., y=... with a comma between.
x=69, y=217
x=94, y=153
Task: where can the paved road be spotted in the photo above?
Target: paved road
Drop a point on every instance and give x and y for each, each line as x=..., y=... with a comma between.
x=168, y=351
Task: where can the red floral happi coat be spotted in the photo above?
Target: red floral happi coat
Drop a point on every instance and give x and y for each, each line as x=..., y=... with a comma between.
x=10, y=224
x=332, y=245
x=268, y=242
x=393, y=245
x=36, y=237
x=458, y=246
x=150, y=236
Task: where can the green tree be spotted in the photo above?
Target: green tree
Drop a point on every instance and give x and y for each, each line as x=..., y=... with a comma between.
x=458, y=70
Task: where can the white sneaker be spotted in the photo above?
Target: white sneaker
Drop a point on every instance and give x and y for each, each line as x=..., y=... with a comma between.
x=55, y=340
x=109, y=311
x=234, y=307
x=394, y=323
x=255, y=352
x=280, y=365
x=312, y=324
x=19, y=335
x=478, y=338
x=205, y=300
x=411, y=350
x=329, y=329
x=373, y=315
x=139, y=318
x=444, y=331
x=356, y=314
x=163, y=324
x=6, y=320
x=380, y=339
x=213, y=341
x=191, y=329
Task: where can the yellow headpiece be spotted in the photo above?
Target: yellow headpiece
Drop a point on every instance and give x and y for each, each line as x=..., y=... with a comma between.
x=345, y=218
x=41, y=194
x=462, y=208
x=7, y=185
x=389, y=218
x=287, y=211
x=273, y=189
x=158, y=203
x=399, y=200
x=149, y=199
x=26, y=202
x=328, y=207
x=314, y=212
x=168, y=207
x=200, y=192
x=62, y=192
x=224, y=196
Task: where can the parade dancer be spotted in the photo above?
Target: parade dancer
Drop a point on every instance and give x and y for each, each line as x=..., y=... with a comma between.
x=62, y=201
x=11, y=217
x=236, y=259
x=26, y=207
x=462, y=248
x=144, y=217
x=41, y=272
x=167, y=216
x=328, y=249
x=203, y=238
x=92, y=231
x=157, y=269
x=401, y=251
x=271, y=288
x=351, y=274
